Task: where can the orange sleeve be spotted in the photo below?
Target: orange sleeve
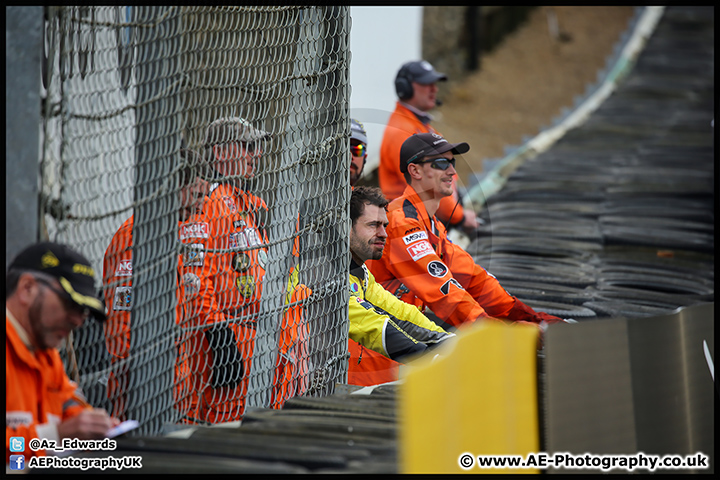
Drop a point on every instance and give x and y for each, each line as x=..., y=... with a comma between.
x=35, y=390
x=411, y=263
x=483, y=287
x=117, y=288
x=486, y=289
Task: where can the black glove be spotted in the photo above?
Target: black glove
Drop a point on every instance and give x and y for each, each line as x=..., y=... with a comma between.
x=227, y=361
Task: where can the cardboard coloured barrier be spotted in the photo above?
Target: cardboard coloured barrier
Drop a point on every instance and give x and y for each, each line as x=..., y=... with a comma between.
x=632, y=390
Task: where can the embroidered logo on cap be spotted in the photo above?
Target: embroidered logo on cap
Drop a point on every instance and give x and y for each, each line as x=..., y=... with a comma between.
x=49, y=260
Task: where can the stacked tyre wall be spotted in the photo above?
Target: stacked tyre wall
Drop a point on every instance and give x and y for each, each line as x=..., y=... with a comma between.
x=617, y=218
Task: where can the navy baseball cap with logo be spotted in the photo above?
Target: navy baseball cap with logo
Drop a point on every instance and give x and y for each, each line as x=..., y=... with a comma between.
x=69, y=267
x=422, y=72
x=421, y=145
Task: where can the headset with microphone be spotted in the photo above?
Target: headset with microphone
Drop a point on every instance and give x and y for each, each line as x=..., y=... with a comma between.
x=421, y=72
x=403, y=83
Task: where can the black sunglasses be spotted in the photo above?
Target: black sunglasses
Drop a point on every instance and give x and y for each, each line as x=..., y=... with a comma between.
x=70, y=305
x=250, y=147
x=440, y=163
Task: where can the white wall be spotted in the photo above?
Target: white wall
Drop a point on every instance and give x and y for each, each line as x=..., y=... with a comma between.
x=381, y=40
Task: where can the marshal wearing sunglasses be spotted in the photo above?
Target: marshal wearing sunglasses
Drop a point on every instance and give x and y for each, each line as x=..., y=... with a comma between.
x=427, y=162
x=420, y=265
x=440, y=163
x=50, y=291
x=358, y=150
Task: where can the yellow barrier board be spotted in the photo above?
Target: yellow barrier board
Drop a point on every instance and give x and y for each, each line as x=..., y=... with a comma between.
x=477, y=399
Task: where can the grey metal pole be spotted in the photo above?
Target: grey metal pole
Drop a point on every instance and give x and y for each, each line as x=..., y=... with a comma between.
x=155, y=250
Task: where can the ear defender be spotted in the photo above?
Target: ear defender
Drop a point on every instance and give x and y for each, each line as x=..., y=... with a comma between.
x=403, y=86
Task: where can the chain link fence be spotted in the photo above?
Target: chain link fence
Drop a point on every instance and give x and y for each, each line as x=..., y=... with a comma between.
x=128, y=95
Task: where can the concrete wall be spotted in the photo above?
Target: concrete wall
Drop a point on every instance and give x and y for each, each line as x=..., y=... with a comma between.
x=23, y=51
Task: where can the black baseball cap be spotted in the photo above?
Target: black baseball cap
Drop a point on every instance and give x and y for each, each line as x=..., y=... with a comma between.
x=422, y=72
x=421, y=145
x=71, y=268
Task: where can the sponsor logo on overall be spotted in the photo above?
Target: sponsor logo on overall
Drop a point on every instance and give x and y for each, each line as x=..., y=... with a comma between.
x=194, y=230
x=445, y=289
x=191, y=284
x=248, y=237
x=232, y=240
x=246, y=285
x=124, y=269
x=15, y=419
x=414, y=237
x=241, y=262
x=262, y=258
x=420, y=249
x=437, y=269
x=123, y=298
x=401, y=290
x=230, y=203
x=194, y=255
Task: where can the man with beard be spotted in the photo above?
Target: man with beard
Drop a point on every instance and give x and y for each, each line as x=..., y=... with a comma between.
x=379, y=322
x=50, y=291
x=232, y=271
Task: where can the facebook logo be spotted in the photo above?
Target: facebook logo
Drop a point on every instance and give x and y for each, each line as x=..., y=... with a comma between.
x=17, y=444
x=17, y=462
